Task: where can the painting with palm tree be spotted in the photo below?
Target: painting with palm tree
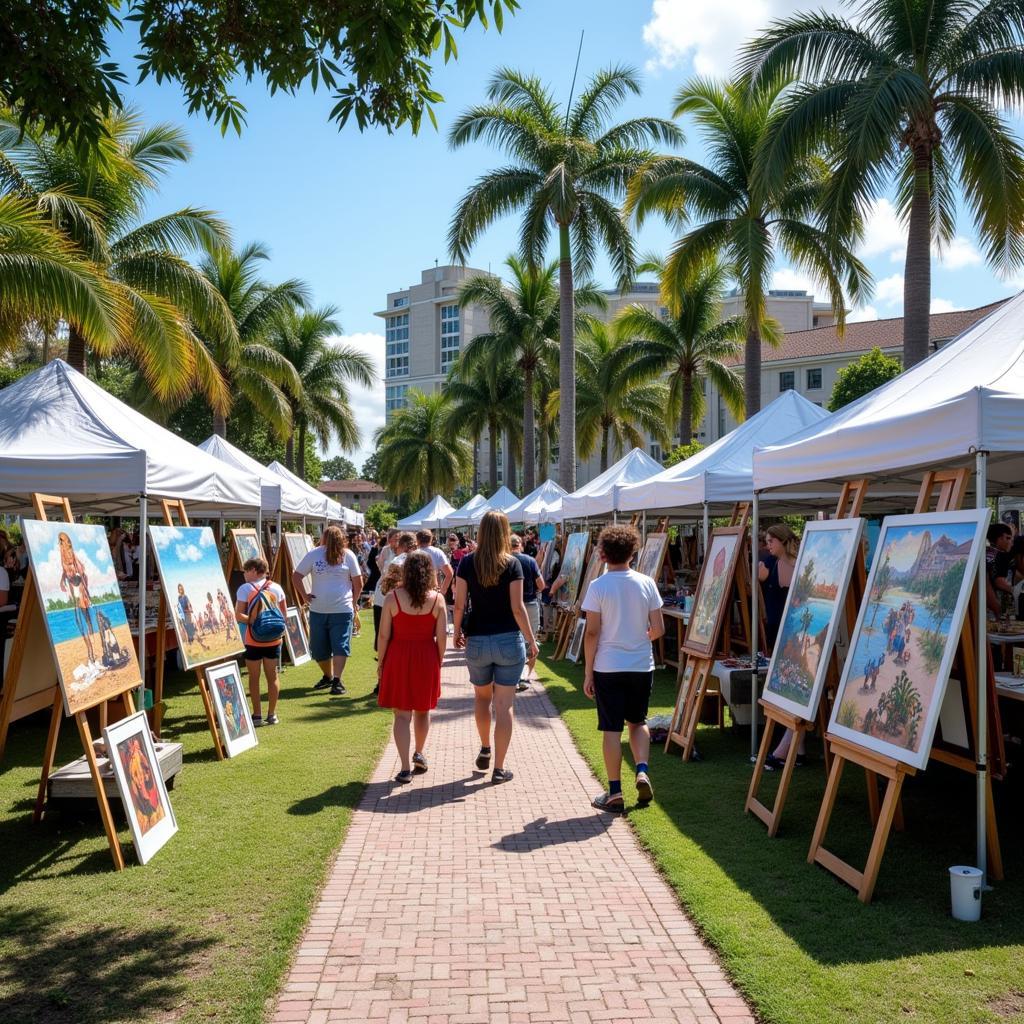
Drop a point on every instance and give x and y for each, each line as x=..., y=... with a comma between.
x=810, y=619
x=907, y=632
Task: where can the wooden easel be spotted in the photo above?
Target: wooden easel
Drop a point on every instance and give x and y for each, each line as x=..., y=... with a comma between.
x=170, y=509
x=951, y=486
x=851, y=498
x=590, y=574
x=567, y=615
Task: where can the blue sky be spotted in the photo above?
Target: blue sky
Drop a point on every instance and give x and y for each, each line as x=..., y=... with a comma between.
x=358, y=215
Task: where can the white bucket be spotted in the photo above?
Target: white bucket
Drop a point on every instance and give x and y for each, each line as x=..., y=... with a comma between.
x=965, y=891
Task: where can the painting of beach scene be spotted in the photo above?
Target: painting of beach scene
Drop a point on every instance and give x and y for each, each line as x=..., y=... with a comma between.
x=198, y=602
x=907, y=631
x=232, y=709
x=572, y=565
x=810, y=619
x=85, y=616
x=715, y=582
x=652, y=555
x=247, y=545
x=298, y=648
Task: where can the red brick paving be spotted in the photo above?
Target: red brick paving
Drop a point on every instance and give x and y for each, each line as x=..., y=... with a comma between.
x=454, y=901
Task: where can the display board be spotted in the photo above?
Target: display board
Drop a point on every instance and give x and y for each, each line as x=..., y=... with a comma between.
x=573, y=561
x=652, y=555
x=232, y=709
x=246, y=545
x=295, y=637
x=714, y=589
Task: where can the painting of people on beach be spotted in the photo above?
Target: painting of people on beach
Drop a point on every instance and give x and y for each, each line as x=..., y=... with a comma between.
x=298, y=648
x=907, y=631
x=247, y=545
x=136, y=766
x=709, y=603
x=232, y=709
x=85, y=616
x=652, y=555
x=196, y=593
x=810, y=620
x=572, y=565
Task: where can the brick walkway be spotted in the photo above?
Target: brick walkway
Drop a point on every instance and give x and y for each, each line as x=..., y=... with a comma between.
x=454, y=901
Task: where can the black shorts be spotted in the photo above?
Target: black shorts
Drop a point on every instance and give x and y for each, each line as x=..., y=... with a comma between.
x=253, y=653
x=622, y=697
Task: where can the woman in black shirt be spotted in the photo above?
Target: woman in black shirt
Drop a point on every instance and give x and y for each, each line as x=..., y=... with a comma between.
x=490, y=581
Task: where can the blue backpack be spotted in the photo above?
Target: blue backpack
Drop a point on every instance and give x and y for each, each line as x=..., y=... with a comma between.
x=268, y=625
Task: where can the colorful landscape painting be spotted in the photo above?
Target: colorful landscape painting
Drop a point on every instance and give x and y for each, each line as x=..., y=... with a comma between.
x=247, y=545
x=236, y=728
x=709, y=601
x=821, y=578
x=85, y=617
x=652, y=555
x=907, y=631
x=572, y=565
x=198, y=601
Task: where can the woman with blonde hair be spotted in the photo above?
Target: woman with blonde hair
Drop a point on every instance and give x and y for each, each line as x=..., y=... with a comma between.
x=496, y=634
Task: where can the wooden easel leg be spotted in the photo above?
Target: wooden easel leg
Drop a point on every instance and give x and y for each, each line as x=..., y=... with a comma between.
x=784, y=781
x=211, y=718
x=692, y=716
x=995, y=851
x=101, y=793
x=827, y=804
x=753, y=805
x=49, y=752
x=874, y=806
x=880, y=838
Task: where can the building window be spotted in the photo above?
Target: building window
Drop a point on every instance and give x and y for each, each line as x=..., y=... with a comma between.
x=787, y=380
x=814, y=380
x=656, y=451
x=402, y=300
x=396, y=346
x=394, y=397
x=449, y=336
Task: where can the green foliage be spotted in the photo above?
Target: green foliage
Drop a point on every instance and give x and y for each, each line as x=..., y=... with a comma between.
x=56, y=73
x=682, y=452
x=380, y=515
x=847, y=716
x=10, y=374
x=63, y=604
x=863, y=375
x=371, y=468
x=339, y=468
x=804, y=585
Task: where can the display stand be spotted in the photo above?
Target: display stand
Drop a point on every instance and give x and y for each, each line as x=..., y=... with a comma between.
x=695, y=667
x=851, y=498
x=29, y=638
x=281, y=573
x=950, y=486
x=572, y=611
x=590, y=574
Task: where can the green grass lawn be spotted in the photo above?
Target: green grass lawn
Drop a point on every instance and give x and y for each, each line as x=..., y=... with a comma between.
x=794, y=938
x=206, y=929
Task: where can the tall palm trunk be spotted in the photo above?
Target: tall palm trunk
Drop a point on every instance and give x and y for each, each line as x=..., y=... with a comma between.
x=76, y=349
x=476, y=465
x=492, y=445
x=566, y=365
x=752, y=366
x=220, y=424
x=686, y=416
x=529, y=433
x=510, y=465
x=604, y=447
x=289, y=452
x=917, y=275
x=544, y=444
x=300, y=456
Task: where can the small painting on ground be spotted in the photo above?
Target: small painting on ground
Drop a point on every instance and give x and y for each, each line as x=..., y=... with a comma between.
x=247, y=545
x=572, y=565
x=236, y=729
x=713, y=588
x=907, y=632
x=133, y=757
x=295, y=635
x=85, y=617
x=196, y=593
x=576, y=643
x=810, y=620
x=652, y=555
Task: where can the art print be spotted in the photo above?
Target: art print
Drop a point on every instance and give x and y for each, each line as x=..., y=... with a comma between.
x=572, y=565
x=810, y=619
x=652, y=555
x=907, y=632
x=595, y=568
x=297, y=545
x=713, y=589
x=247, y=545
x=295, y=638
x=232, y=709
x=196, y=593
x=576, y=643
x=133, y=757
x=85, y=617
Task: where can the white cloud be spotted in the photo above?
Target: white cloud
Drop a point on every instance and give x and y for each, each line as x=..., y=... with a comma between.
x=889, y=290
x=97, y=565
x=206, y=539
x=188, y=553
x=165, y=536
x=788, y=279
x=367, y=403
x=961, y=252
x=862, y=313
x=943, y=306
x=884, y=233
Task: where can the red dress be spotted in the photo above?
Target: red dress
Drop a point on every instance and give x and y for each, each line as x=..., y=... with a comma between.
x=411, y=679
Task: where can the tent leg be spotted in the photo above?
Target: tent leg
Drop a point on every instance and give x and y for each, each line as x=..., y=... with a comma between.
x=707, y=527
x=755, y=588
x=981, y=501
x=143, y=569
x=643, y=527
x=259, y=525
x=278, y=527
x=303, y=524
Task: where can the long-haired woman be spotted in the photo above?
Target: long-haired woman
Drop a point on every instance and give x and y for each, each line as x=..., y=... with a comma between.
x=337, y=584
x=496, y=635
x=411, y=645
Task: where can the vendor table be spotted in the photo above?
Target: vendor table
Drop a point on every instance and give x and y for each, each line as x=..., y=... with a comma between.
x=734, y=686
x=681, y=620
x=1010, y=686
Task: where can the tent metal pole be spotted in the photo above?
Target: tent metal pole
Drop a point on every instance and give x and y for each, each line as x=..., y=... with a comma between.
x=143, y=568
x=259, y=524
x=278, y=528
x=643, y=526
x=981, y=501
x=707, y=527
x=755, y=588
x=303, y=524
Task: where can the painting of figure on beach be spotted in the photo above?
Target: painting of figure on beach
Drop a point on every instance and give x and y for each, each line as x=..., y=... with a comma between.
x=572, y=565
x=814, y=604
x=85, y=616
x=907, y=631
x=198, y=603
x=232, y=709
x=712, y=590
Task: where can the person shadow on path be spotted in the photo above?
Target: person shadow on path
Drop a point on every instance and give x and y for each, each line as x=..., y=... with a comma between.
x=541, y=832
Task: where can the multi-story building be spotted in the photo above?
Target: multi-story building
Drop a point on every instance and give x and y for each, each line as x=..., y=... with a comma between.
x=354, y=494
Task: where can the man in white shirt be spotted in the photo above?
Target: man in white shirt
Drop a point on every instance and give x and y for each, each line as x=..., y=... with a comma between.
x=623, y=611
x=387, y=552
x=445, y=575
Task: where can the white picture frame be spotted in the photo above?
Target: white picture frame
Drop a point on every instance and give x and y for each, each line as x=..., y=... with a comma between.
x=576, y=643
x=132, y=756
x=234, y=720
x=295, y=637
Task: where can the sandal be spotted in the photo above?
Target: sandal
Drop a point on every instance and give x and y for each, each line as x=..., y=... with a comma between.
x=606, y=802
x=403, y=777
x=419, y=763
x=501, y=775
x=483, y=759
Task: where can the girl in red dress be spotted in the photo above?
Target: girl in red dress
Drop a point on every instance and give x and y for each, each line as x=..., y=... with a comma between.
x=411, y=646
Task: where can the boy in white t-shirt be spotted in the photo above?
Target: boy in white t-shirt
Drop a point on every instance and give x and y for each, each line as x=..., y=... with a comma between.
x=260, y=654
x=623, y=617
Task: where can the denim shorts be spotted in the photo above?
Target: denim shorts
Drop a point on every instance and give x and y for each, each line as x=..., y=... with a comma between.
x=329, y=634
x=498, y=658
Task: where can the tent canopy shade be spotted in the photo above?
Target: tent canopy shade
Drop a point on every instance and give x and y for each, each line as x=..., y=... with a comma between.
x=463, y=515
x=319, y=504
x=502, y=499
x=601, y=495
x=541, y=505
x=430, y=516
x=61, y=433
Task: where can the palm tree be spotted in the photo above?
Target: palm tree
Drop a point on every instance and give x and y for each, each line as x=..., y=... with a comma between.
x=912, y=93
x=741, y=218
x=570, y=167
x=97, y=198
x=324, y=370
x=692, y=344
x=420, y=454
x=252, y=368
x=616, y=397
x=524, y=321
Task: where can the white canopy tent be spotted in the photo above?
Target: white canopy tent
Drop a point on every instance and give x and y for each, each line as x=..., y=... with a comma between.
x=463, y=515
x=430, y=516
x=502, y=499
x=320, y=505
x=601, y=495
x=541, y=505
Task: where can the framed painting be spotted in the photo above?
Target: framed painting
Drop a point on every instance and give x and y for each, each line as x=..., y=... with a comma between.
x=132, y=755
x=595, y=568
x=295, y=638
x=810, y=618
x=247, y=545
x=196, y=593
x=85, y=617
x=652, y=555
x=576, y=643
x=572, y=565
x=231, y=707
x=908, y=627
x=711, y=600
